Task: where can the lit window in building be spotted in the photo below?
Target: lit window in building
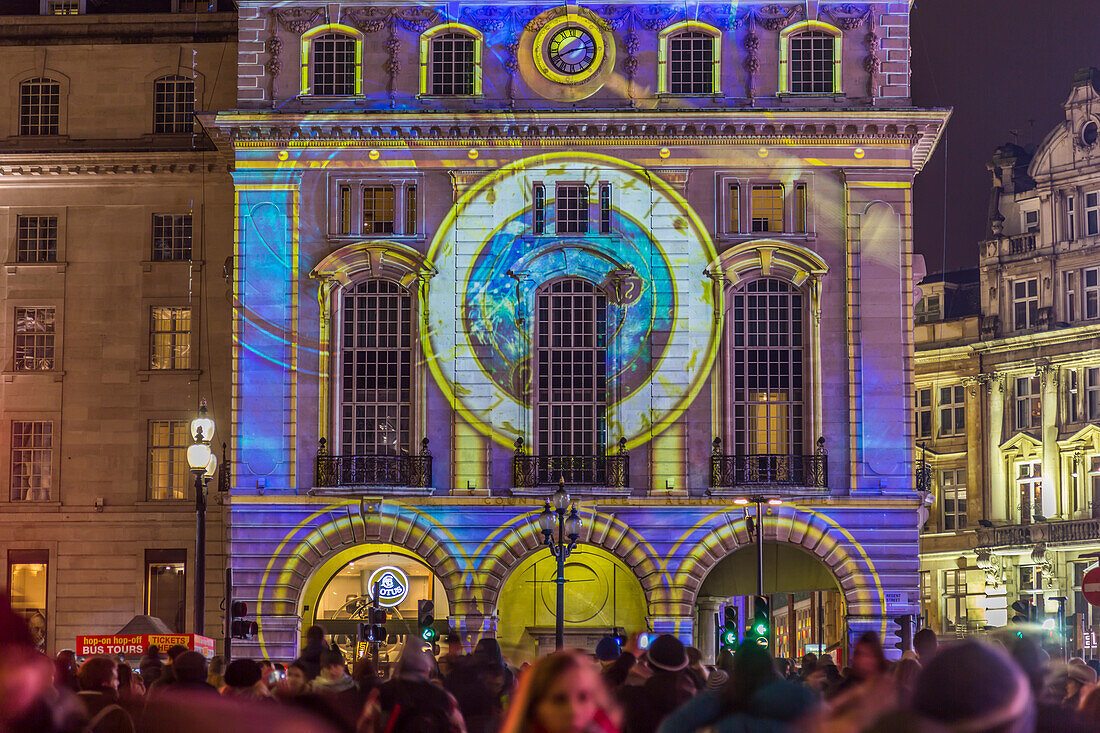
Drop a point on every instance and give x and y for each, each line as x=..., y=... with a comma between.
x=379, y=208
x=1028, y=403
x=453, y=64
x=766, y=329
x=571, y=363
x=410, y=210
x=40, y=107
x=923, y=412
x=1090, y=277
x=812, y=63
x=1071, y=295
x=63, y=7
x=171, y=237
x=1092, y=394
x=170, y=338
x=375, y=369
x=1073, y=396
x=174, y=105
x=953, y=486
x=198, y=6
x=345, y=209
x=27, y=583
x=954, y=599
x=1092, y=213
x=166, y=587
x=333, y=65
x=952, y=411
x=605, y=208
x=767, y=208
x=1025, y=303
x=169, y=472
x=691, y=63
x=31, y=460
x=1029, y=482
x=733, y=206
x=36, y=239
x=1031, y=584
x=572, y=209
x=34, y=339
x=800, y=203
x=1071, y=224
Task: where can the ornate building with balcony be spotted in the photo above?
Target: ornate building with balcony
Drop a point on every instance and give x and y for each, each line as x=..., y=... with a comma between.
x=1007, y=392
x=660, y=253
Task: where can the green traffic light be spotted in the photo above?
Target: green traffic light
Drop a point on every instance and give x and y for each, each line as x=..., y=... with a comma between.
x=428, y=634
x=761, y=630
x=729, y=638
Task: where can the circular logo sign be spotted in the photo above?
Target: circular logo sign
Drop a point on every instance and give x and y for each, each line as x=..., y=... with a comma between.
x=392, y=583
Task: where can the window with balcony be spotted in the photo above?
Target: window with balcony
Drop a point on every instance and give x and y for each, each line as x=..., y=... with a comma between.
x=334, y=65
x=40, y=107
x=953, y=498
x=571, y=203
x=171, y=237
x=173, y=105
x=169, y=472
x=31, y=460
x=954, y=600
x=1029, y=403
x=1092, y=213
x=922, y=402
x=692, y=61
x=453, y=65
x=1029, y=484
x=36, y=239
x=1025, y=303
x=767, y=208
x=34, y=339
x=952, y=411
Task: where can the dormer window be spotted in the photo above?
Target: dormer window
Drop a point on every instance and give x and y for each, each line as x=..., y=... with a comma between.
x=1031, y=221
x=809, y=58
x=689, y=59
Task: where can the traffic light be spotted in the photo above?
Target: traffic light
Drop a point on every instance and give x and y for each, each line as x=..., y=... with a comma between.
x=239, y=626
x=425, y=617
x=619, y=635
x=729, y=630
x=374, y=631
x=904, y=633
x=761, y=629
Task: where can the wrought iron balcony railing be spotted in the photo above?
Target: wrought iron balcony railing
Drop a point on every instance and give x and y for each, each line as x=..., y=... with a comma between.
x=735, y=472
x=533, y=471
x=370, y=469
x=923, y=472
x=1046, y=532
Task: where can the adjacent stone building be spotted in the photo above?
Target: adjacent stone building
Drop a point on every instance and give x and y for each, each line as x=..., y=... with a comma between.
x=1007, y=392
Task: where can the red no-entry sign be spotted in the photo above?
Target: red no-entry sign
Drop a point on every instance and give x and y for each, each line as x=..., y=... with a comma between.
x=1090, y=586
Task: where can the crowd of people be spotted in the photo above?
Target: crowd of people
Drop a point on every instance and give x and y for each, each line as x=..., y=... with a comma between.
x=968, y=686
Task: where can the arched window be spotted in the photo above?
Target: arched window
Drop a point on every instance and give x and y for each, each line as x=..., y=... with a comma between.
x=450, y=61
x=173, y=104
x=375, y=374
x=571, y=370
x=40, y=107
x=334, y=65
x=809, y=61
x=689, y=58
x=766, y=337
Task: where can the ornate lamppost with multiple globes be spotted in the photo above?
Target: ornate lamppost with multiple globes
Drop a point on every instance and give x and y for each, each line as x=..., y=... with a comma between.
x=563, y=518
x=204, y=464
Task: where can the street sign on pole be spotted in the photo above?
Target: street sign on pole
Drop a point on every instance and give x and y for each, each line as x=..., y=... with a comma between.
x=1090, y=586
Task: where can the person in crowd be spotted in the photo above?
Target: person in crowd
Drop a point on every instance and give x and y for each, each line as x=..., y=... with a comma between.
x=561, y=693
x=295, y=683
x=1079, y=679
x=695, y=668
x=189, y=674
x=905, y=675
x=310, y=657
x=168, y=673
x=131, y=691
x=65, y=670
x=481, y=683
x=645, y=706
x=607, y=652
x=244, y=681
x=809, y=663
x=453, y=654
x=98, y=678
x=1050, y=715
x=754, y=698
x=216, y=675
x=151, y=666
x=337, y=688
x=365, y=674
x=974, y=687
x=409, y=702
x=925, y=644
x=268, y=673
x=867, y=691
x=1090, y=707
x=615, y=675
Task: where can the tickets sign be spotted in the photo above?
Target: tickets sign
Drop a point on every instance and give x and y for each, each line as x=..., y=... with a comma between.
x=136, y=644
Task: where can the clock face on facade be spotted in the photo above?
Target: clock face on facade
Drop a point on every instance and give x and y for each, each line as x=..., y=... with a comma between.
x=571, y=50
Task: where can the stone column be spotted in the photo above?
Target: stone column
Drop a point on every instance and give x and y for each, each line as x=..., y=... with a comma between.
x=998, y=491
x=706, y=640
x=1051, y=470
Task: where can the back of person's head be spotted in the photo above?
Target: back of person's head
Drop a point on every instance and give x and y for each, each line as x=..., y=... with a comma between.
x=364, y=672
x=125, y=676
x=315, y=633
x=974, y=687
x=153, y=652
x=1090, y=705
x=868, y=652
x=487, y=651
x=925, y=643
x=1032, y=660
x=414, y=662
x=540, y=679
x=608, y=650
x=217, y=665
x=331, y=658
x=175, y=650
x=96, y=673
x=242, y=673
x=190, y=667
x=753, y=668
x=809, y=661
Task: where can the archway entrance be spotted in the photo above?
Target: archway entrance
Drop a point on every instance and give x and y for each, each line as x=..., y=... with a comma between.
x=339, y=596
x=601, y=594
x=806, y=603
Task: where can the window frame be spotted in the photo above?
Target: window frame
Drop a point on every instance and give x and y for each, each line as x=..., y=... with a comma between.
x=920, y=411
x=50, y=463
x=192, y=358
x=427, y=59
x=664, y=66
x=1033, y=397
x=54, y=125
x=1071, y=222
x=785, y=56
x=1092, y=213
x=1091, y=393
x=1033, y=482
x=307, y=41
x=401, y=182
x=956, y=518
x=46, y=341
x=174, y=226
x=31, y=556
x=169, y=111
x=954, y=581
x=166, y=557
x=53, y=221
x=770, y=185
x=44, y=8
x=585, y=224
x=952, y=408
x=174, y=461
x=1028, y=300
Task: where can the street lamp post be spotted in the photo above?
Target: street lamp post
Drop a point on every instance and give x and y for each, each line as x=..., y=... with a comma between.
x=560, y=544
x=204, y=464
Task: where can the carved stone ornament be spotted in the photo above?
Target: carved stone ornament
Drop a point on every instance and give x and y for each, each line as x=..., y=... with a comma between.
x=299, y=20
x=509, y=20
x=847, y=16
x=776, y=17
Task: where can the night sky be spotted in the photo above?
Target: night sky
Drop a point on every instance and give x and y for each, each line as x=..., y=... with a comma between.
x=1002, y=65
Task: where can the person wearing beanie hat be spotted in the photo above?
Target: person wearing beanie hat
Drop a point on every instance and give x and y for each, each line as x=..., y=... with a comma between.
x=670, y=686
x=189, y=674
x=607, y=651
x=974, y=687
x=244, y=680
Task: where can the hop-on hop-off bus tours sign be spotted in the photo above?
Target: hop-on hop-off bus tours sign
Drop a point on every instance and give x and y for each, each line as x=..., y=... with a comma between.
x=136, y=644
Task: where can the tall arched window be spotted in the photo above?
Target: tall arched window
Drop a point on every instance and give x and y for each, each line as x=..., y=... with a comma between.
x=766, y=368
x=453, y=64
x=334, y=65
x=40, y=107
x=173, y=104
x=688, y=55
x=809, y=58
x=375, y=368
x=571, y=369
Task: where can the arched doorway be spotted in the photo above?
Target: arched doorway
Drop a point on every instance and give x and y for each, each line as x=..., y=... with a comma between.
x=601, y=594
x=806, y=603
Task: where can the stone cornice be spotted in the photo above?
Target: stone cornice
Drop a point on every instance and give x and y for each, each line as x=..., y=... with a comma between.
x=111, y=164
x=1074, y=335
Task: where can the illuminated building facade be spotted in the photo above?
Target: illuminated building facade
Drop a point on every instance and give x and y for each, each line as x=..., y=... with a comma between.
x=1007, y=392
x=658, y=252
x=115, y=218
